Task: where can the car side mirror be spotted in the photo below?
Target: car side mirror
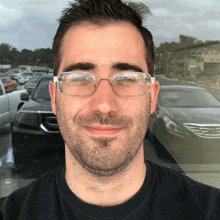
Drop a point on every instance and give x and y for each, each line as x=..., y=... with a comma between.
x=24, y=96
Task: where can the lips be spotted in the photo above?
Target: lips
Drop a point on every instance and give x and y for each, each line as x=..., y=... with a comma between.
x=102, y=130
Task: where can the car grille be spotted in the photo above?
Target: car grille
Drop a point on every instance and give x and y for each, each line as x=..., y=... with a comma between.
x=28, y=127
x=50, y=124
x=209, y=131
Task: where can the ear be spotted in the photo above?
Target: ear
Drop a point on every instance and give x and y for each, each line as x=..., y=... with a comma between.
x=52, y=90
x=154, y=92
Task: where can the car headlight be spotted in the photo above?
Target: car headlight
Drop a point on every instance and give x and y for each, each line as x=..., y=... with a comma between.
x=173, y=127
x=27, y=117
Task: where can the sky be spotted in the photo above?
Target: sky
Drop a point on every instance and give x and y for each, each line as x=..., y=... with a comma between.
x=32, y=24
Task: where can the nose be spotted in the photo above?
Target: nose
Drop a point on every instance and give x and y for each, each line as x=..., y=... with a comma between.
x=104, y=99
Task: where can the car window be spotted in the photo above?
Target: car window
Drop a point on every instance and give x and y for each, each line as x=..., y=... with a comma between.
x=42, y=91
x=200, y=98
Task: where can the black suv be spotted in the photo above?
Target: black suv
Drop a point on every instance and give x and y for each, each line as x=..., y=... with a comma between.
x=35, y=129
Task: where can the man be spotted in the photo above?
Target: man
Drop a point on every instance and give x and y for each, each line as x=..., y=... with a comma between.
x=103, y=94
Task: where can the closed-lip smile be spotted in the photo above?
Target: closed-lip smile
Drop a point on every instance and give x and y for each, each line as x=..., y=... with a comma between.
x=102, y=130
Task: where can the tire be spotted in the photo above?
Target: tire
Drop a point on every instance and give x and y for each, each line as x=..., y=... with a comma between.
x=11, y=126
x=21, y=155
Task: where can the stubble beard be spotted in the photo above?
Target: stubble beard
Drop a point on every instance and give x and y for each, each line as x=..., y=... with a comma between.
x=103, y=156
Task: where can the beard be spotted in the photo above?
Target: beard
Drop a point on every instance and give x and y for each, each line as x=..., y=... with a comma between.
x=103, y=156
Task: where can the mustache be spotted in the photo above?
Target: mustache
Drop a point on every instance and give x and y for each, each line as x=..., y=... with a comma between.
x=99, y=118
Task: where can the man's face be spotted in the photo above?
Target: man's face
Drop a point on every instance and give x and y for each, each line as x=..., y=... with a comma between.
x=103, y=132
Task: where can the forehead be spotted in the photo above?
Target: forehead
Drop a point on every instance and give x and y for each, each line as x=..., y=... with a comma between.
x=115, y=41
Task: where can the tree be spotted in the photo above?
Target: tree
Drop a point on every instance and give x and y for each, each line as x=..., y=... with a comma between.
x=5, y=53
x=26, y=57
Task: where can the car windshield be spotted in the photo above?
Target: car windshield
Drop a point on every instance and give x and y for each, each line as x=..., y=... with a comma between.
x=15, y=71
x=194, y=98
x=42, y=91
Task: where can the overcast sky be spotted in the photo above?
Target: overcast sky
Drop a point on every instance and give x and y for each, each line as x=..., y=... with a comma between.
x=32, y=24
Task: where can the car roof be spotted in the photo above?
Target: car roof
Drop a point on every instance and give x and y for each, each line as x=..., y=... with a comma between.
x=181, y=87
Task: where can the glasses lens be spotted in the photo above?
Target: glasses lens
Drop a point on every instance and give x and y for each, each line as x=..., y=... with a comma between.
x=77, y=84
x=131, y=84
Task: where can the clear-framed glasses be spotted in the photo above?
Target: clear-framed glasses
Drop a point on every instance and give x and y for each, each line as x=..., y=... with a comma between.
x=78, y=83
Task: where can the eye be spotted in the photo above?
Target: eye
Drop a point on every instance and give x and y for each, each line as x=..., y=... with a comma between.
x=124, y=78
x=81, y=78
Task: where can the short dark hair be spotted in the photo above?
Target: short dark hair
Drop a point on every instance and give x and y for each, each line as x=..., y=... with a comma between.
x=100, y=12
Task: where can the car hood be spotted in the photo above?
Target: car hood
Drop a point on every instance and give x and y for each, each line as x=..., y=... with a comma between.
x=32, y=105
x=193, y=115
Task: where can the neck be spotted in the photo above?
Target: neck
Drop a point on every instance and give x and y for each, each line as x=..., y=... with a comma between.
x=105, y=191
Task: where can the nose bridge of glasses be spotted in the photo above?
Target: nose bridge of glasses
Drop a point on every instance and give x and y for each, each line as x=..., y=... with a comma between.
x=104, y=78
x=99, y=81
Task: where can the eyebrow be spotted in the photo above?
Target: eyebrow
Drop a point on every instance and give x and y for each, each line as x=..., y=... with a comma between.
x=79, y=66
x=126, y=66
x=90, y=66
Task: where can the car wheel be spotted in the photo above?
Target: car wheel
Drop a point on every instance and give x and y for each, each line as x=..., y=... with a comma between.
x=11, y=126
x=21, y=155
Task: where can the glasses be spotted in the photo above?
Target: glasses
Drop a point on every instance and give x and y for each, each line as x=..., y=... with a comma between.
x=77, y=83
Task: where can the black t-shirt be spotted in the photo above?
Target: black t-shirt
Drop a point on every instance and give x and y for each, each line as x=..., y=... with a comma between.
x=165, y=194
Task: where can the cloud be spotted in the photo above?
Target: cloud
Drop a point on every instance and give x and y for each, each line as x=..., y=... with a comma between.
x=161, y=12
x=8, y=15
x=210, y=24
x=34, y=22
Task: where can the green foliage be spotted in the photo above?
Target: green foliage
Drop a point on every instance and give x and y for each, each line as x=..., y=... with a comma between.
x=39, y=57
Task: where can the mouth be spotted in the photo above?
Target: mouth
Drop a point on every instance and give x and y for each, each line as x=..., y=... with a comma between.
x=103, y=130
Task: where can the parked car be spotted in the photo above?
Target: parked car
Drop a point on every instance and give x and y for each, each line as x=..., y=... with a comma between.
x=186, y=122
x=9, y=103
x=16, y=75
x=29, y=86
x=35, y=129
x=24, y=78
x=26, y=68
x=44, y=69
x=11, y=72
x=8, y=83
x=2, y=74
x=38, y=74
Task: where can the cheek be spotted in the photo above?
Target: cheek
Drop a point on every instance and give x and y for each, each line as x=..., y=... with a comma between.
x=69, y=107
x=133, y=106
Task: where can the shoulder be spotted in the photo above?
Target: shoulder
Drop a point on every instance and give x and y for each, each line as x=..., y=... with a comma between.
x=177, y=191
x=168, y=177
x=30, y=195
